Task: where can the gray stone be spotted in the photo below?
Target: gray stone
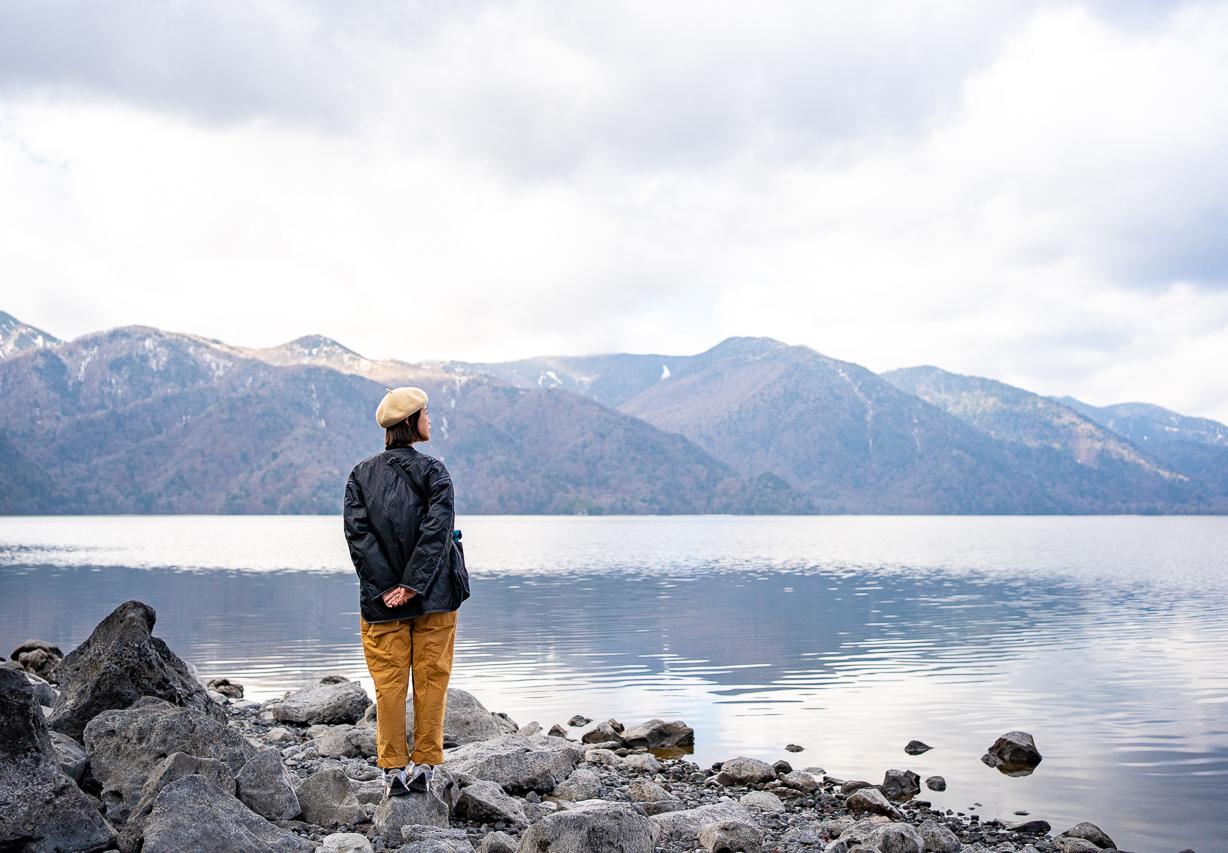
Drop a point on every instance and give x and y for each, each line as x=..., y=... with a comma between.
x=900, y=785
x=369, y=792
x=800, y=780
x=70, y=755
x=41, y=809
x=579, y=720
x=332, y=699
x=345, y=842
x=118, y=663
x=176, y=766
x=327, y=799
x=487, y=802
x=608, y=732
x=1013, y=751
x=642, y=762
x=1070, y=844
x=192, y=813
x=936, y=783
x=266, y=787
x=601, y=755
x=743, y=770
x=124, y=746
x=659, y=734
x=684, y=825
x=557, y=730
x=896, y=838
x=730, y=836
x=517, y=763
x=498, y=842
x=426, y=838
x=652, y=797
x=38, y=658
x=582, y=784
x=346, y=741
x=282, y=735
x=530, y=728
x=916, y=747
x=1031, y=827
x=1091, y=832
x=228, y=688
x=417, y=809
x=763, y=801
x=44, y=693
x=871, y=801
x=594, y=826
x=936, y=838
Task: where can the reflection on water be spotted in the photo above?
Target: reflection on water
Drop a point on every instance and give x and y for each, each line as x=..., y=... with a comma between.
x=1103, y=637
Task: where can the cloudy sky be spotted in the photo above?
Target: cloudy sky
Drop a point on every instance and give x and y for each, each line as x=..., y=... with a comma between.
x=1036, y=192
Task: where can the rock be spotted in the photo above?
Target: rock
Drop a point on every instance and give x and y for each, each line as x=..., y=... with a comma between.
x=70, y=755
x=332, y=699
x=594, y=826
x=228, y=688
x=517, y=763
x=901, y=785
x=346, y=741
x=529, y=729
x=395, y=812
x=44, y=693
x=936, y=783
x=326, y=799
x=505, y=723
x=582, y=784
x=557, y=731
x=498, y=842
x=579, y=720
x=871, y=801
x=465, y=719
x=896, y=838
x=38, y=657
x=936, y=838
x=743, y=770
x=1069, y=844
x=266, y=787
x=852, y=785
x=799, y=780
x=487, y=802
x=652, y=797
x=370, y=792
x=604, y=733
x=345, y=842
x=1091, y=832
x=281, y=735
x=192, y=813
x=730, y=836
x=763, y=801
x=118, y=663
x=602, y=756
x=425, y=838
x=1012, y=752
x=684, y=824
x=125, y=745
x=40, y=807
x=642, y=762
x=793, y=747
x=658, y=734
x=1030, y=827
x=176, y=766
x=916, y=747
x=782, y=767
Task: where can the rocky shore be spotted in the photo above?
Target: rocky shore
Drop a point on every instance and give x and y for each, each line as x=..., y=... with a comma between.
x=120, y=746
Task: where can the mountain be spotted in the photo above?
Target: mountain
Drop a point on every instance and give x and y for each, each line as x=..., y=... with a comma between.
x=141, y=420
x=17, y=337
x=611, y=379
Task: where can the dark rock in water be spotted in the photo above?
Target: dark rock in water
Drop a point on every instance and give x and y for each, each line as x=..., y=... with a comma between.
x=38, y=657
x=900, y=785
x=1090, y=832
x=192, y=813
x=176, y=766
x=124, y=746
x=1014, y=753
x=1031, y=827
x=594, y=827
x=658, y=734
x=793, y=747
x=557, y=731
x=916, y=747
x=579, y=720
x=226, y=687
x=936, y=783
x=40, y=808
x=332, y=699
x=118, y=663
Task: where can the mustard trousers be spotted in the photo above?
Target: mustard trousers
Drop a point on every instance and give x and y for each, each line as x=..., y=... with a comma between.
x=419, y=649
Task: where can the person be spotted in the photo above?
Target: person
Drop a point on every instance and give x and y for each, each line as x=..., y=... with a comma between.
x=411, y=580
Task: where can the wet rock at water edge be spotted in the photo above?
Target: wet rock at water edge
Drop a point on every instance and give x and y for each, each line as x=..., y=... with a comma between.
x=1014, y=753
x=1030, y=827
x=916, y=747
x=793, y=747
x=192, y=813
x=118, y=663
x=579, y=720
x=38, y=657
x=1090, y=832
x=936, y=783
x=42, y=809
x=609, y=732
x=658, y=734
x=900, y=785
x=595, y=826
x=730, y=836
x=332, y=699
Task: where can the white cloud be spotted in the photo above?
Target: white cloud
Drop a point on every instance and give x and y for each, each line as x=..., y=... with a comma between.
x=1034, y=196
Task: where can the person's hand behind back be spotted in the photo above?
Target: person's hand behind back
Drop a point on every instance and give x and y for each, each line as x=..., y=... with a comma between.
x=397, y=597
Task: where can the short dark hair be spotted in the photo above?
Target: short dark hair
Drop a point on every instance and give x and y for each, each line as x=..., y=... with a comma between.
x=405, y=433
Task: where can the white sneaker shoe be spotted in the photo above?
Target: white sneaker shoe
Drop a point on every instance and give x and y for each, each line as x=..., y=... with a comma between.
x=420, y=777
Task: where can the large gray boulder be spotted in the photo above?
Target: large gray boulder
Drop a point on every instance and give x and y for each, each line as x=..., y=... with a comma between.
x=176, y=766
x=684, y=825
x=346, y=741
x=124, y=746
x=118, y=663
x=937, y=838
x=41, y=809
x=582, y=784
x=651, y=796
x=744, y=770
x=266, y=787
x=896, y=838
x=487, y=802
x=416, y=809
x=192, y=813
x=901, y=785
x=1014, y=753
x=593, y=826
x=1090, y=832
x=327, y=799
x=659, y=734
x=518, y=763
x=332, y=699
x=465, y=719
x=871, y=801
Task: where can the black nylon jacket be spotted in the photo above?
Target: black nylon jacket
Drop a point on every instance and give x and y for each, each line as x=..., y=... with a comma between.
x=400, y=534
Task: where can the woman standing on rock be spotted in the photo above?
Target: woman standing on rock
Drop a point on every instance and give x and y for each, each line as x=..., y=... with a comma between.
x=411, y=579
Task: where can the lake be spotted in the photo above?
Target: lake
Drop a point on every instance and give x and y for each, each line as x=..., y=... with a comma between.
x=1104, y=637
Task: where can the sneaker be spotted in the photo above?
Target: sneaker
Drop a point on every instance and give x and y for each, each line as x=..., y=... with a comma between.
x=396, y=782
x=421, y=777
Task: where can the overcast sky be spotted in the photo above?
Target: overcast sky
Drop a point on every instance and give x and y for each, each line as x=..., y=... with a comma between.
x=1035, y=192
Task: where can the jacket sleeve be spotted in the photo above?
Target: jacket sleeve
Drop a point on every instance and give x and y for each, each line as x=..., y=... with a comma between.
x=365, y=551
x=435, y=532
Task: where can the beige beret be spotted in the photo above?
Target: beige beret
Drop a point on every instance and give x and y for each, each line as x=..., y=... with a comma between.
x=398, y=404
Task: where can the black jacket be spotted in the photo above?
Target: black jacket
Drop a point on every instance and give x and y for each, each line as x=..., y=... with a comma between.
x=399, y=529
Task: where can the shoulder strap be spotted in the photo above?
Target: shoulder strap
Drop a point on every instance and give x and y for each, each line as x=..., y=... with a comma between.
x=404, y=475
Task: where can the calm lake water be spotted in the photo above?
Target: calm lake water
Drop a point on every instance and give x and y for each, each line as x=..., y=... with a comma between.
x=1104, y=637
